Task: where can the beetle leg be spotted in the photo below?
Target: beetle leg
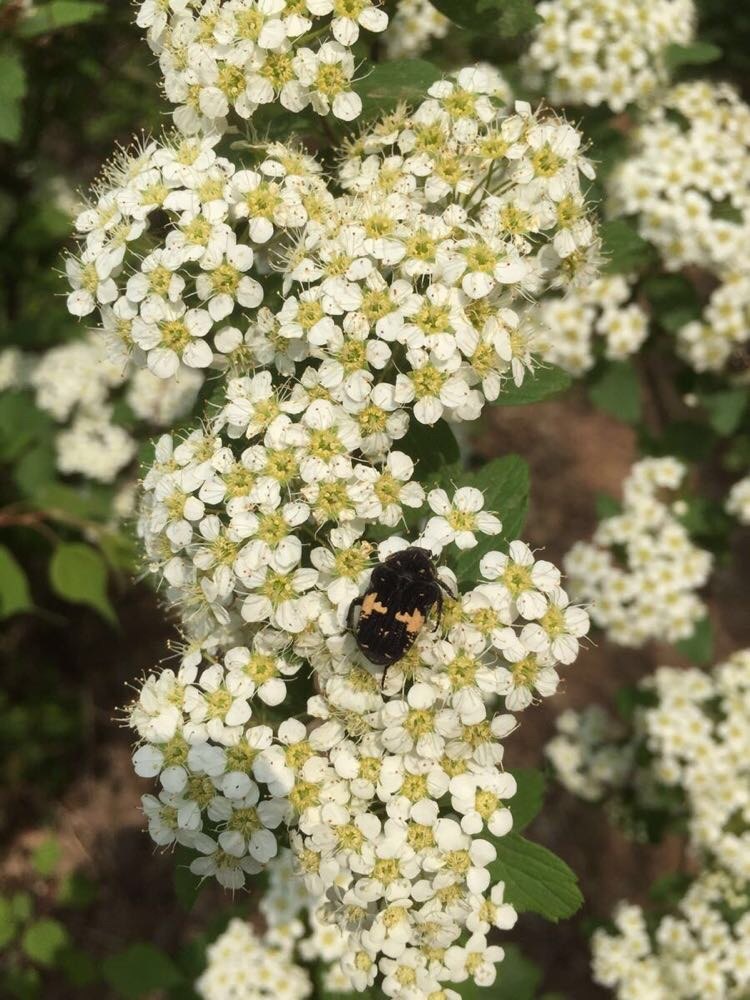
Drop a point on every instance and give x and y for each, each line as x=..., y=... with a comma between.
x=382, y=679
x=439, y=602
x=356, y=603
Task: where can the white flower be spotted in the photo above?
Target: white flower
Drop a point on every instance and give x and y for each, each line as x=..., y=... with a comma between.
x=460, y=519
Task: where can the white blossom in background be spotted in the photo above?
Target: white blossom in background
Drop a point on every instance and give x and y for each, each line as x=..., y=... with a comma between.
x=640, y=572
x=242, y=965
x=413, y=28
x=723, y=330
x=738, y=501
x=224, y=60
x=587, y=753
x=572, y=324
x=686, y=178
x=698, y=950
x=608, y=53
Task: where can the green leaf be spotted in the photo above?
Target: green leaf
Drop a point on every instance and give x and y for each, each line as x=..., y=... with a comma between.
x=695, y=54
x=546, y=381
x=673, y=299
x=512, y=16
x=389, y=83
x=529, y=797
x=46, y=856
x=617, y=391
x=606, y=506
x=58, y=14
x=725, y=408
x=13, y=90
x=43, y=940
x=432, y=448
x=505, y=484
x=624, y=248
x=535, y=879
x=21, y=423
x=78, y=967
x=8, y=924
x=699, y=647
x=518, y=978
x=15, y=595
x=79, y=574
x=187, y=886
x=76, y=891
x=138, y=970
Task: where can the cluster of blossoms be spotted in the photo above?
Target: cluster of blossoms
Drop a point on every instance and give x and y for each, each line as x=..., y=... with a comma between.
x=611, y=52
x=686, y=180
x=403, y=287
x=702, y=949
x=226, y=58
x=415, y=25
x=572, y=324
x=391, y=789
x=641, y=571
x=588, y=753
x=738, y=501
x=80, y=386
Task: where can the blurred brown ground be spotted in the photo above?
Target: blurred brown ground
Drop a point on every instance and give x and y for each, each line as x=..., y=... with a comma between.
x=574, y=452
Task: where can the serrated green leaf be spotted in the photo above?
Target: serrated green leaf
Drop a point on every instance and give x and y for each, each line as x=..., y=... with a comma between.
x=389, y=83
x=725, y=408
x=695, y=54
x=546, y=381
x=138, y=970
x=43, y=940
x=527, y=802
x=505, y=484
x=624, y=249
x=46, y=856
x=699, y=647
x=15, y=595
x=431, y=448
x=58, y=14
x=79, y=574
x=617, y=390
x=535, y=879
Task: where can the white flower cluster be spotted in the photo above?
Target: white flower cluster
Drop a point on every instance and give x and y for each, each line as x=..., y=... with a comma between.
x=78, y=385
x=702, y=949
x=413, y=28
x=573, y=323
x=709, y=343
x=391, y=791
x=738, y=501
x=585, y=753
x=404, y=287
x=700, y=741
x=686, y=178
x=611, y=52
x=641, y=571
x=227, y=58
x=243, y=966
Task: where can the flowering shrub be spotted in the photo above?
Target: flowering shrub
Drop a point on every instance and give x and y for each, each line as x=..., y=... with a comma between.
x=366, y=228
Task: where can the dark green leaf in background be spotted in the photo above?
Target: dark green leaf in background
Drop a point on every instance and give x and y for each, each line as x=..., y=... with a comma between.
x=43, y=940
x=508, y=17
x=725, y=408
x=12, y=92
x=695, y=54
x=616, y=390
x=58, y=14
x=139, y=970
x=624, y=249
x=699, y=647
x=432, y=448
x=79, y=574
x=14, y=587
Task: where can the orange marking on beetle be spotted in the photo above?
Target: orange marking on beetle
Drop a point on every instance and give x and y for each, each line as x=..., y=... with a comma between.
x=370, y=604
x=413, y=621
